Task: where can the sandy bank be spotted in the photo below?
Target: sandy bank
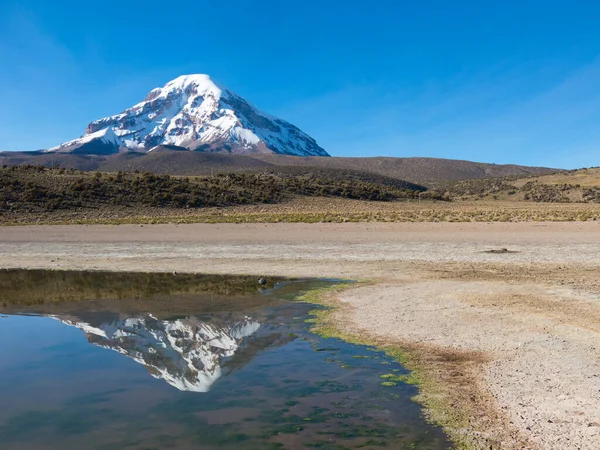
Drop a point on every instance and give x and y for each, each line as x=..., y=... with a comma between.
x=530, y=319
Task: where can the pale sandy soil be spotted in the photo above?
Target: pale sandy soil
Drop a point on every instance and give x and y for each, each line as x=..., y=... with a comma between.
x=511, y=340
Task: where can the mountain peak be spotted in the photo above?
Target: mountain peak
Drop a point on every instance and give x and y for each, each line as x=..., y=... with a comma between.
x=198, y=83
x=198, y=79
x=194, y=112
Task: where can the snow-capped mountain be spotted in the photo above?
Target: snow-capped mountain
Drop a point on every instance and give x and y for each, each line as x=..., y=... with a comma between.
x=186, y=353
x=195, y=113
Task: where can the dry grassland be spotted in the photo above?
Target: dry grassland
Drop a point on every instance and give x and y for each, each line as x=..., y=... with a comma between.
x=321, y=209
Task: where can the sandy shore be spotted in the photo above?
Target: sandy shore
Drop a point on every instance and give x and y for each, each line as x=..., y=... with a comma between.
x=509, y=339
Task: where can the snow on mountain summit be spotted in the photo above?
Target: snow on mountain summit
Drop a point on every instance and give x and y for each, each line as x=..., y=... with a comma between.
x=194, y=112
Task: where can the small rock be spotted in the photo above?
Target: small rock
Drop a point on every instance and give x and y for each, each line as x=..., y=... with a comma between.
x=262, y=281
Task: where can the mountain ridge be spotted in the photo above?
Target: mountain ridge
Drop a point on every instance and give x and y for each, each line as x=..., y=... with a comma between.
x=196, y=113
x=423, y=171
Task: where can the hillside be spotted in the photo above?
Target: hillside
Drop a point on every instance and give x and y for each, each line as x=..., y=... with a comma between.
x=573, y=186
x=63, y=160
x=583, y=178
x=35, y=189
x=174, y=162
x=423, y=171
x=416, y=170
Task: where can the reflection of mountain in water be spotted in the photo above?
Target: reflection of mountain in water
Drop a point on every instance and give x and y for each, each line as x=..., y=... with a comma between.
x=186, y=353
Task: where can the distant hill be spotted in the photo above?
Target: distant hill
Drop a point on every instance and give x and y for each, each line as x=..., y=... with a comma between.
x=41, y=158
x=583, y=178
x=570, y=186
x=416, y=170
x=172, y=162
x=422, y=171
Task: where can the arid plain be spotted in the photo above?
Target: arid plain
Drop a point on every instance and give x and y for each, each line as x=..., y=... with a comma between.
x=499, y=321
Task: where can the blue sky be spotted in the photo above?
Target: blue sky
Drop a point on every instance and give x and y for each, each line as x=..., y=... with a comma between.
x=496, y=81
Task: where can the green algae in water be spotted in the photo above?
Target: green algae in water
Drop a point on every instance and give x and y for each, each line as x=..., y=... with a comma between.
x=278, y=385
x=408, y=378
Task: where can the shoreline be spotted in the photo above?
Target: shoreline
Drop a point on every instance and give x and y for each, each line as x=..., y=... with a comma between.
x=469, y=425
x=513, y=333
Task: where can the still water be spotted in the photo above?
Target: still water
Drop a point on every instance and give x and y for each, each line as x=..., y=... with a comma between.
x=154, y=361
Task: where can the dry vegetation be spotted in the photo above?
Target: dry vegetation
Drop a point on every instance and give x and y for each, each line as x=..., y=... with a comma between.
x=323, y=210
x=32, y=194
x=576, y=186
x=585, y=178
x=35, y=189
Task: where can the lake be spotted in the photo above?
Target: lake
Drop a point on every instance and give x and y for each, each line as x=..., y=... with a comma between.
x=100, y=360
